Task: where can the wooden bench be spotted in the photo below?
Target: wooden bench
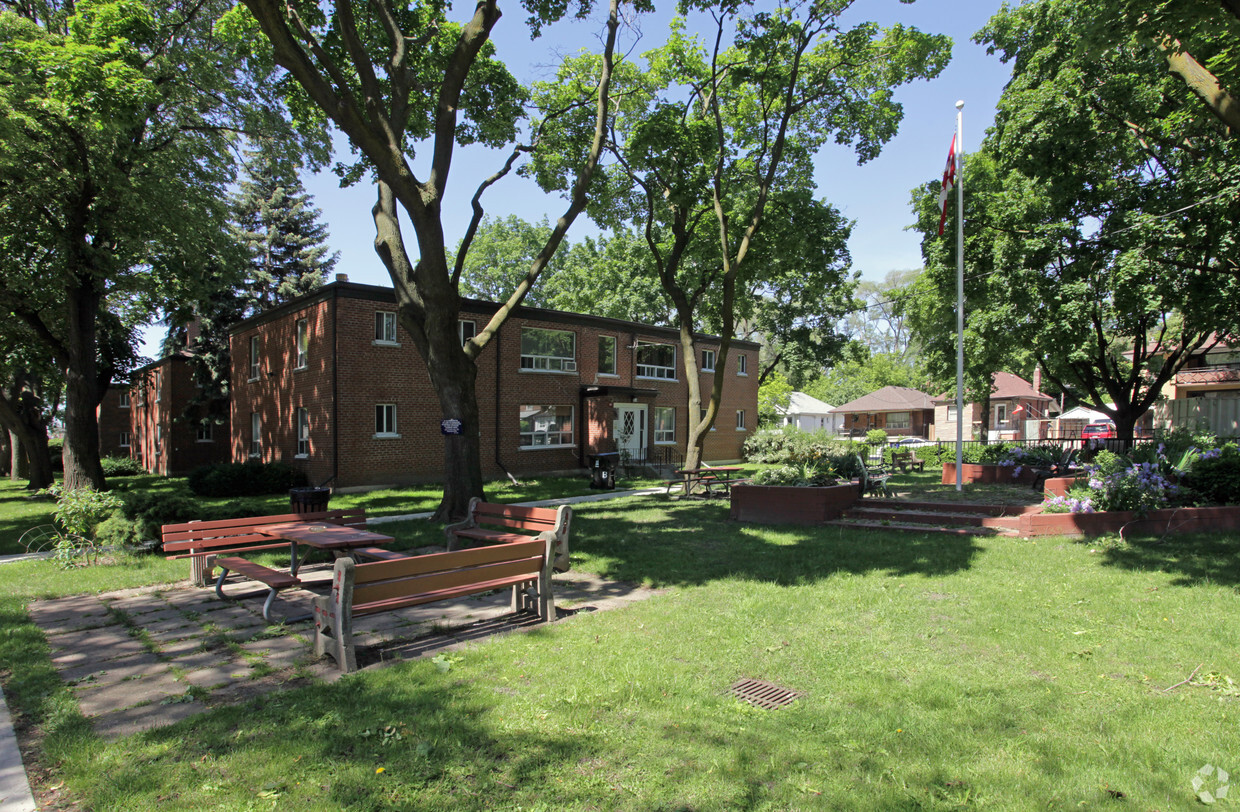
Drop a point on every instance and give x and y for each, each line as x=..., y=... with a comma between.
x=217, y=543
x=904, y=459
x=495, y=524
x=383, y=586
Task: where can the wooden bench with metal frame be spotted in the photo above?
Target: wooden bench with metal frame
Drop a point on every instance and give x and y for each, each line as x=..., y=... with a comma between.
x=904, y=459
x=383, y=586
x=504, y=524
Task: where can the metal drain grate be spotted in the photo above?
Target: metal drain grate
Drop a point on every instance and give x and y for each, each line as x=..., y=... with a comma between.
x=766, y=695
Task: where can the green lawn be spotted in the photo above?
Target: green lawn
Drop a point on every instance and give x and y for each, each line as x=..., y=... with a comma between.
x=939, y=672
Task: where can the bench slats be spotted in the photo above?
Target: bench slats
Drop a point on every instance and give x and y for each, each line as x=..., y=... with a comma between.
x=348, y=517
x=431, y=597
x=514, y=516
x=231, y=544
x=525, y=569
x=436, y=562
x=482, y=534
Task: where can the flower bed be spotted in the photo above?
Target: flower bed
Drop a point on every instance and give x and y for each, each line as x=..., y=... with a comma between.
x=788, y=504
x=972, y=473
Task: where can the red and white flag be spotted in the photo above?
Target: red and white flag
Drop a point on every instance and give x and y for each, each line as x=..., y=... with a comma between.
x=949, y=180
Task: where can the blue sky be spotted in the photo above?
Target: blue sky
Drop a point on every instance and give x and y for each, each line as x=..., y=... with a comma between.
x=875, y=195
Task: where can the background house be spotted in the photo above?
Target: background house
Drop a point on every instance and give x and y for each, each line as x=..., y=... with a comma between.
x=1018, y=411
x=330, y=383
x=1205, y=393
x=897, y=410
x=810, y=414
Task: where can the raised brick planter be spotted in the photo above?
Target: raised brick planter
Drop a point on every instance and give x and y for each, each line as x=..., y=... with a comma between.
x=1059, y=485
x=976, y=473
x=1178, y=520
x=786, y=504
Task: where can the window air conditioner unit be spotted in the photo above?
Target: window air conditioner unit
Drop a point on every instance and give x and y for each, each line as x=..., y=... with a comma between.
x=570, y=366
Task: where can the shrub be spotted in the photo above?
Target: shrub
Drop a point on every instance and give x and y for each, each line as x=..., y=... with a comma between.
x=121, y=466
x=245, y=479
x=1117, y=483
x=876, y=437
x=807, y=474
x=1215, y=476
x=790, y=445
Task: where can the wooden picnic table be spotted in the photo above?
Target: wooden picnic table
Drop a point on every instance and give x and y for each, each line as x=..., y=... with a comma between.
x=709, y=478
x=342, y=541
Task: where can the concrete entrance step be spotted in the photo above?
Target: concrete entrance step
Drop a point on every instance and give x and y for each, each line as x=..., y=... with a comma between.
x=952, y=530
x=879, y=513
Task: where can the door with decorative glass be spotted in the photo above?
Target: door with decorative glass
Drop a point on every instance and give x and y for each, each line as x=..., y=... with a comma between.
x=630, y=432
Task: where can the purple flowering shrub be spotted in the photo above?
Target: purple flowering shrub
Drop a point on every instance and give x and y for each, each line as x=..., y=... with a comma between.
x=1117, y=483
x=1215, y=476
x=1068, y=504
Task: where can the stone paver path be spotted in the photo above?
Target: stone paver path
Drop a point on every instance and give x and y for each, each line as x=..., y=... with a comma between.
x=145, y=658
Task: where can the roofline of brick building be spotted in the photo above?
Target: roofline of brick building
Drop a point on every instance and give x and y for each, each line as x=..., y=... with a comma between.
x=386, y=295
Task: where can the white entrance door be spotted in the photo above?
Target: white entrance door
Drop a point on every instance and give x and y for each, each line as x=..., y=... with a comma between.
x=630, y=431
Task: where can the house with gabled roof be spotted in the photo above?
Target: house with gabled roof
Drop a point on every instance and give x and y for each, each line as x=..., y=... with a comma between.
x=898, y=410
x=809, y=414
x=1018, y=411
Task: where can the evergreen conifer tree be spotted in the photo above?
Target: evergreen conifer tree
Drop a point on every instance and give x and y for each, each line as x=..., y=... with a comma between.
x=277, y=225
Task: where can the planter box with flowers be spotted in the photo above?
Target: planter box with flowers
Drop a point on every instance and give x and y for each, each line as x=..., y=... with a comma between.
x=1145, y=492
x=988, y=474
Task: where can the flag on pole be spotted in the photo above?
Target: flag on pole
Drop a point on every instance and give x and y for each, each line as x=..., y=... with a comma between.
x=949, y=180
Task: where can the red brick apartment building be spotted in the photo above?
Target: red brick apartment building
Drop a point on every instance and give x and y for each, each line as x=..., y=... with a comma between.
x=147, y=420
x=330, y=383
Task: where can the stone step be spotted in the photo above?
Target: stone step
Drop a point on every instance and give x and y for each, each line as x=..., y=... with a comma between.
x=954, y=530
x=870, y=512
x=951, y=507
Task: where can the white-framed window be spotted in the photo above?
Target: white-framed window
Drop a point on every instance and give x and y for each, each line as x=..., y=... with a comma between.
x=708, y=360
x=256, y=434
x=467, y=330
x=607, y=355
x=385, y=327
x=140, y=401
x=742, y=364
x=206, y=433
x=664, y=424
x=159, y=387
x=548, y=350
x=702, y=416
x=899, y=420
x=303, y=343
x=656, y=360
x=159, y=440
x=124, y=403
x=255, y=361
x=1000, y=414
x=740, y=419
x=124, y=439
x=385, y=420
x=303, y=432
x=546, y=426
x=952, y=414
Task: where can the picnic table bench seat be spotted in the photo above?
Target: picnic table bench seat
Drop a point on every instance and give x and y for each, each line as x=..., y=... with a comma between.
x=508, y=524
x=384, y=586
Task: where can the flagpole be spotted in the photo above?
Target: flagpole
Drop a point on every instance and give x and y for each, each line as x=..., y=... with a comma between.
x=959, y=294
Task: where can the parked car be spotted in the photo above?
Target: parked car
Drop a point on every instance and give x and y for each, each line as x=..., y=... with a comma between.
x=912, y=441
x=1098, y=431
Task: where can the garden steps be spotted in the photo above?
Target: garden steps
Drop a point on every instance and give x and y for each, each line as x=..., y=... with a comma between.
x=936, y=516
x=954, y=530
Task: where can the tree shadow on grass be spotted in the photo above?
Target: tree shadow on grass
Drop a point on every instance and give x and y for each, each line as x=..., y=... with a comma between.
x=1198, y=558
x=666, y=543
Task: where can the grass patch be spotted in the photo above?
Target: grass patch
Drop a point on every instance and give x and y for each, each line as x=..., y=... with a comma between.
x=939, y=673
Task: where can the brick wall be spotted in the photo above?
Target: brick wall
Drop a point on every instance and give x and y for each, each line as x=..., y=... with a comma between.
x=113, y=420
x=164, y=430
x=342, y=399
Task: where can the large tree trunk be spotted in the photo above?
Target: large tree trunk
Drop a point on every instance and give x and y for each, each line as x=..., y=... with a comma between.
x=82, y=395
x=462, y=459
x=31, y=458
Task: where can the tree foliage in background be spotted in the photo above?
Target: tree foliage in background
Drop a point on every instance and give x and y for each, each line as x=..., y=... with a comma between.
x=1101, y=228
x=774, y=396
x=879, y=320
x=401, y=81
x=708, y=136
x=116, y=124
x=991, y=309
